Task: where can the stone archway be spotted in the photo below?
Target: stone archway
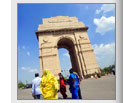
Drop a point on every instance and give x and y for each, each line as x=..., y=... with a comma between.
x=68, y=44
x=66, y=32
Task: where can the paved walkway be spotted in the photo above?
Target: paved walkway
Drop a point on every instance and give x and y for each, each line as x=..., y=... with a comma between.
x=91, y=89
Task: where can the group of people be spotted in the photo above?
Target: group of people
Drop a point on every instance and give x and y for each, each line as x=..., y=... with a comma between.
x=48, y=87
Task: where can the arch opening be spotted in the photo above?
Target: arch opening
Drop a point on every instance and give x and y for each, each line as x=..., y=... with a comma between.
x=67, y=45
x=65, y=62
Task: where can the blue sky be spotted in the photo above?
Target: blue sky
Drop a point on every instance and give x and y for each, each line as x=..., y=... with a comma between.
x=100, y=18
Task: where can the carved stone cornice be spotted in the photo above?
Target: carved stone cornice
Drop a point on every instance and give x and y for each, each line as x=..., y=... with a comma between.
x=47, y=47
x=82, y=43
x=60, y=31
x=86, y=50
x=47, y=55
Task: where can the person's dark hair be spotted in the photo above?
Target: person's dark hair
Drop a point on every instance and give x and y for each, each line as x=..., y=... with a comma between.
x=59, y=74
x=71, y=70
x=36, y=74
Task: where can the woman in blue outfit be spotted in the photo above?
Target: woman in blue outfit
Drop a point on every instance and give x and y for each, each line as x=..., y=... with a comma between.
x=73, y=81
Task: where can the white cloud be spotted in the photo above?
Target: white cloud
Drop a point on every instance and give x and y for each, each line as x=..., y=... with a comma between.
x=98, y=11
x=106, y=8
x=23, y=68
x=28, y=53
x=29, y=69
x=66, y=54
x=105, y=54
x=104, y=24
x=23, y=47
x=33, y=70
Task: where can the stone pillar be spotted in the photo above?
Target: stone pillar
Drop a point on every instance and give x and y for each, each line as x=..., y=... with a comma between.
x=84, y=69
x=79, y=62
x=72, y=57
x=49, y=60
x=89, y=58
x=77, y=49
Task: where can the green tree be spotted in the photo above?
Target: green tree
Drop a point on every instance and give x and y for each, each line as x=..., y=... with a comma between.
x=21, y=84
x=108, y=69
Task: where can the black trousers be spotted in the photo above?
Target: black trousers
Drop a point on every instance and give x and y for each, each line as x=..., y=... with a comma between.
x=37, y=97
x=79, y=92
x=64, y=95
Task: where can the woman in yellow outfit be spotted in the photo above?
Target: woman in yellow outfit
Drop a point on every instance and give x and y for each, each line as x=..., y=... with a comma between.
x=49, y=85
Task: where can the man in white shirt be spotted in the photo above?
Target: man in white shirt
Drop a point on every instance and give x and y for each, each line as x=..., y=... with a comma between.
x=36, y=92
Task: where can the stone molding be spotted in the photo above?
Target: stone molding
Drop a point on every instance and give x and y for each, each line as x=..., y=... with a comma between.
x=47, y=47
x=47, y=55
x=82, y=43
x=60, y=31
x=86, y=50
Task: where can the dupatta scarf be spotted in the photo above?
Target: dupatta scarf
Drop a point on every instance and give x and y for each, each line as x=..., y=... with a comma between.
x=49, y=85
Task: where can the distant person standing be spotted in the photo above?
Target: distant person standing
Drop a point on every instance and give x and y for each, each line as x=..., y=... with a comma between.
x=62, y=86
x=113, y=71
x=79, y=80
x=36, y=92
x=73, y=81
x=99, y=71
x=95, y=75
x=82, y=77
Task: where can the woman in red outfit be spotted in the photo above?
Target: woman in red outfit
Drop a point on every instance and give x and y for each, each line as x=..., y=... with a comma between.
x=62, y=86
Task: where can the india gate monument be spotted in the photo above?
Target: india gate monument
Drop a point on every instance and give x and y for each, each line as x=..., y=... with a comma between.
x=65, y=32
